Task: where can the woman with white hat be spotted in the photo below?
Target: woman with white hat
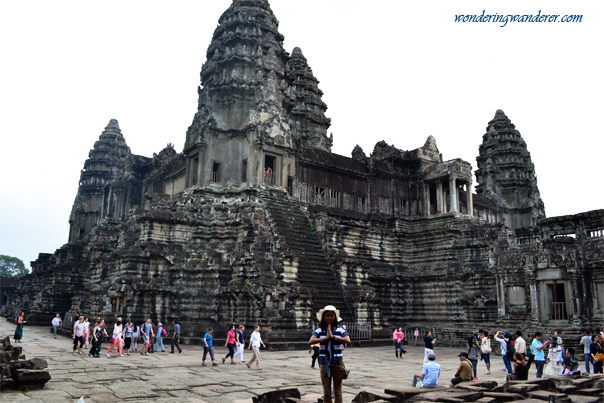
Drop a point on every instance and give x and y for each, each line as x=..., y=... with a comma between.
x=331, y=338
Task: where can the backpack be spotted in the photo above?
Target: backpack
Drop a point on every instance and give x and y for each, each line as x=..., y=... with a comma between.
x=510, y=347
x=17, y=320
x=163, y=332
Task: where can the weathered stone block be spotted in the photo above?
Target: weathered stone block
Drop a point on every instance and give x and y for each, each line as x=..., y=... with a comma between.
x=504, y=397
x=277, y=396
x=31, y=379
x=366, y=397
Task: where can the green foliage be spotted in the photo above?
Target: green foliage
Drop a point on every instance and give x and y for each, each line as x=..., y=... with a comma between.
x=247, y=282
x=201, y=256
x=197, y=246
x=293, y=219
x=312, y=228
x=186, y=215
x=183, y=267
x=12, y=267
x=184, y=249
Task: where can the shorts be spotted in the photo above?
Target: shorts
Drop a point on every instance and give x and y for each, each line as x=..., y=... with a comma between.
x=486, y=358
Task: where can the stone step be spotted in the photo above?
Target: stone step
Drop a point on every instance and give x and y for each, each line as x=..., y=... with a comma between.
x=584, y=399
x=553, y=397
x=590, y=392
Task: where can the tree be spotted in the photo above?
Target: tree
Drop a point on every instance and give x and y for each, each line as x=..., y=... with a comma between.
x=12, y=267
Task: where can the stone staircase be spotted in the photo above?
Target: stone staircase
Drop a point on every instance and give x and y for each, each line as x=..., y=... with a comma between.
x=298, y=236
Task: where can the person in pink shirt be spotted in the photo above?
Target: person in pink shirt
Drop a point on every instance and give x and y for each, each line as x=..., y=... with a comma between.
x=398, y=337
x=230, y=343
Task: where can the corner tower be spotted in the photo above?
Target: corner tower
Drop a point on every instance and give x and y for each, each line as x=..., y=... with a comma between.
x=257, y=105
x=506, y=174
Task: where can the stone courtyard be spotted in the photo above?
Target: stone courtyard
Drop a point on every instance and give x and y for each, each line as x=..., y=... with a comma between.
x=165, y=377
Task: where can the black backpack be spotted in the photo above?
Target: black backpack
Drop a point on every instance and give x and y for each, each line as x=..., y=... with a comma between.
x=510, y=347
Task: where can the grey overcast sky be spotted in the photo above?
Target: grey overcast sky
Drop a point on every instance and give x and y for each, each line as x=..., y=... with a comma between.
x=392, y=70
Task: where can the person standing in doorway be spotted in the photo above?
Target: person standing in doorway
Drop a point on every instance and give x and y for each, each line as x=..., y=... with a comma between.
x=538, y=347
x=240, y=337
x=175, y=337
x=255, y=342
x=56, y=323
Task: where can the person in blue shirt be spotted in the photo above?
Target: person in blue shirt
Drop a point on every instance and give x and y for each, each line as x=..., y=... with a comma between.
x=430, y=373
x=207, y=347
x=176, y=337
x=538, y=347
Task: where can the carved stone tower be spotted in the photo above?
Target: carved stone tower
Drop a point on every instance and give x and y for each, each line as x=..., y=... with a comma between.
x=506, y=174
x=257, y=105
x=102, y=192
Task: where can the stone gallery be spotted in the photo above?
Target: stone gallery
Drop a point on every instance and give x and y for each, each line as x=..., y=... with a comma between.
x=258, y=222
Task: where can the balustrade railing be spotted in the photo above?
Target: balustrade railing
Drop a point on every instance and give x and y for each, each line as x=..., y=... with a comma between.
x=558, y=310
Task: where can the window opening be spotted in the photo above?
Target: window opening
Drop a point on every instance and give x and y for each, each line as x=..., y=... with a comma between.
x=269, y=169
x=215, y=172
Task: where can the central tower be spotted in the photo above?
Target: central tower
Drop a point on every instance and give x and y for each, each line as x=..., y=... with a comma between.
x=258, y=106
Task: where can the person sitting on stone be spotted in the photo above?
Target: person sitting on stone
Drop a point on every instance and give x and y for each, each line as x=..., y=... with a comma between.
x=430, y=373
x=571, y=364
x=464, y=371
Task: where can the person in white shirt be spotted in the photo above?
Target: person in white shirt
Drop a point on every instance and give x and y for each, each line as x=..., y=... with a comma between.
x=78, y=336
x=255, y=342
x=520, y=344
x=118, y=335
x=56, y=323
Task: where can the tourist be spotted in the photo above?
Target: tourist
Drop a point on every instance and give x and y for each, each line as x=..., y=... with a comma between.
x=136, y=334
x=586, y=341
x=255, y=342
x=159, y=337
x=556, y=359
x=485, y=349
x=429, y=344
x=19, y=330
x=146, y=333
x=128, y=337
x=86, y=332
x=473, y=350
x=464, y=371
x=397, y=336
x=520, y=344
x=571, y=364
x=506, y=352
x=175, y=337
x=153, y=338
x=520, y=368
x=416, y=335
x=429, y=375
x=97, y=337
x=230, y=344
x=538, y=347
x=314, y=348
x=78, y=336
x=240, y=343
x=597, y=355
x=116, y=340
x=330, y=338
x=529, y=351
x=207, y=347
x=554, y=342
x=56, y=323
x=557, y=336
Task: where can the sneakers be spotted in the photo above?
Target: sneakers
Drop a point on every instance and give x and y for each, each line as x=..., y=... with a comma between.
x=503, y=369
x=243, y=362
x=477, y=379
x=108, y=355
x=488, y=373
x=214, y=364
x=223, y=360
x=146, y=353
x=247, y=365
x=203, y=364
x=121, y=355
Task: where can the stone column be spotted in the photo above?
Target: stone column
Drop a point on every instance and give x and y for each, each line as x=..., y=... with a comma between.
x=439, y=197
x=453, y=193
x=469, y=201
x=426, y=199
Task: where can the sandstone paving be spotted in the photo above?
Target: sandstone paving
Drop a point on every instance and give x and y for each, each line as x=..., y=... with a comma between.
x=165, y=377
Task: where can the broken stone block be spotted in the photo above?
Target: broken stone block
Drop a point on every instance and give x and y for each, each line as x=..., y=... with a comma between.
x=366, y=397
x=523, y=388
x=407, y=393
x=553, y=397
x=590, y=392
x=485, y=384
x=30, y=379
x=544, y=384
x=568, y=389
x=504, y=396
x=38, y=363
x=277, y=396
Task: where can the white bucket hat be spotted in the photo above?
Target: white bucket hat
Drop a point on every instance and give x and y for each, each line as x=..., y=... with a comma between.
x=327, y=308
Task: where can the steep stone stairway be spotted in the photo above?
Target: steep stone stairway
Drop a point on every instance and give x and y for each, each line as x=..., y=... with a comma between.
x=294, y=228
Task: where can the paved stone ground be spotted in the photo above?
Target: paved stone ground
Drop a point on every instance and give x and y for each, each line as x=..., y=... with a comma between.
x=165, y=377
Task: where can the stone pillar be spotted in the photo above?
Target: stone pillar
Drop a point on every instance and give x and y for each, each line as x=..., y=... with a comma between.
x=426, y=199
x=469, y=201
x=439, y=198
x=453, y=193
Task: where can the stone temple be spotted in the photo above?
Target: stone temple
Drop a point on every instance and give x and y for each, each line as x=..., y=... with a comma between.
x=257, y=221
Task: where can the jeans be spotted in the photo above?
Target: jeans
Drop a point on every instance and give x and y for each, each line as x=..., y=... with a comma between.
x=231, y=353
x=315, y=355
x=415, y=380
x=474, y=366
x=159, y=342
x=55, y=328
x=486, y=358
x=539, y=365
x=506, y=362
x=207, y=350
x=587, y=360
x=336, y=375
x=175, y=341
